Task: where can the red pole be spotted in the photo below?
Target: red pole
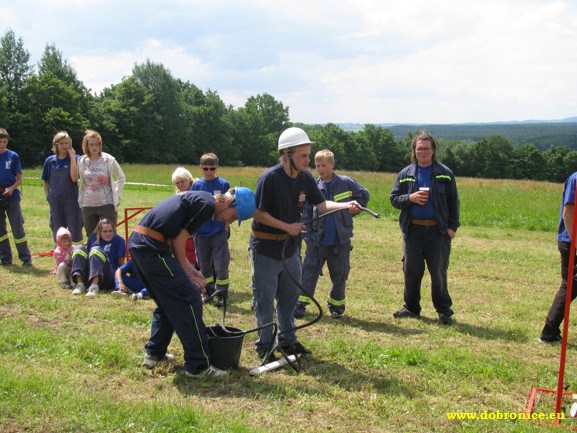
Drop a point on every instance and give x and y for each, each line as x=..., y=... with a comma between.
x=562, y=358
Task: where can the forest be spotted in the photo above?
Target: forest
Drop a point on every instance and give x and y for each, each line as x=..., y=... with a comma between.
x=152, y=117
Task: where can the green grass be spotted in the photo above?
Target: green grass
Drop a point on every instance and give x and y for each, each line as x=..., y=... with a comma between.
x=72, y=364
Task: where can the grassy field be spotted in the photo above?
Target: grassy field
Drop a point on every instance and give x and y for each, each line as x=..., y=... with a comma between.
x=72, y=364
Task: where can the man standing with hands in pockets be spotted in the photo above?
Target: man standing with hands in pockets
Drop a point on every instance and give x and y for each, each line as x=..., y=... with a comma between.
x=426, y=193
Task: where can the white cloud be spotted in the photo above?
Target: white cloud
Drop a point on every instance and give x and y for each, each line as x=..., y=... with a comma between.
x=364, y=61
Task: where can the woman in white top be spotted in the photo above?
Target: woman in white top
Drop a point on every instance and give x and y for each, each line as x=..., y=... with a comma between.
x=101, y=183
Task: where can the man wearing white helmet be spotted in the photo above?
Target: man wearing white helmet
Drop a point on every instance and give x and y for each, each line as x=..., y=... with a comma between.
x=281, y=193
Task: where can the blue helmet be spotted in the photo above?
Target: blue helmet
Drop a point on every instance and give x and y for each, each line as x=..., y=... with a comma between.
x=244, y=202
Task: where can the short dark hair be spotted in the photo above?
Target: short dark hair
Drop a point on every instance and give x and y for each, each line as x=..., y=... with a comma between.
x=4, y=133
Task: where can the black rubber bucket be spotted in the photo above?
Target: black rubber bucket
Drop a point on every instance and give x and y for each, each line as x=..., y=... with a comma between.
x=225, y=346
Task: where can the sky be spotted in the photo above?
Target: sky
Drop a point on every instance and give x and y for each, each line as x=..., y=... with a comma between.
x=339, y=61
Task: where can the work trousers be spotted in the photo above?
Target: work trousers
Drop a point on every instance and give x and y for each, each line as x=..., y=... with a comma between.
x=552, y=330
x=92, y=215
x=337, y=258
x=426, y=245
x=90, y=265
x=213, y=257
x=14, y=214
x=270, y=281
x=179, y=306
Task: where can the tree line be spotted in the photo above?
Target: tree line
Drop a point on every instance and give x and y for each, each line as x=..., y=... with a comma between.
x=151, y=117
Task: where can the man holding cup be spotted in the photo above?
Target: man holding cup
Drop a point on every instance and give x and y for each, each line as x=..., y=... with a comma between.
x=426, y=193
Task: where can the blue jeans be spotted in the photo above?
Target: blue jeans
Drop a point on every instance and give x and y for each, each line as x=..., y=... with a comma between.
x=270, y=282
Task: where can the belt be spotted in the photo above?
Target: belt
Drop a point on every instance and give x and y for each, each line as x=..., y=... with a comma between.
x=270, y=236
x=150, y=233
x=426, y=223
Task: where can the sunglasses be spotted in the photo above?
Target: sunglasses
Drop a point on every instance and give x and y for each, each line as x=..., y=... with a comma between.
x=209, y=168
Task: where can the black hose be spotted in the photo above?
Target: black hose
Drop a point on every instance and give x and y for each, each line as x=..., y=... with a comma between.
x=274, y=345
x=306, y=292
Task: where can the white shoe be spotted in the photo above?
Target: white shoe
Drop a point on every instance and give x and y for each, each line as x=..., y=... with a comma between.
x=66, y=286
x=79, y=289
x=152, y=361
x=210, y=371
x=119, y=294
x=137, y=296
x=93, y=290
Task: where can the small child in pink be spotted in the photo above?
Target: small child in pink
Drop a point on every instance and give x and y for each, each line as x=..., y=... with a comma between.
x=62, y=256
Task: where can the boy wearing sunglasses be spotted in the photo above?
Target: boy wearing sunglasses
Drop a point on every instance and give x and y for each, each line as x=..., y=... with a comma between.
x=211, y=239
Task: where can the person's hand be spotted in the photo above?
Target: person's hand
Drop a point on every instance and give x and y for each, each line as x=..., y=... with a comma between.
x=197, y=279
x=354, y=207
x=419, y=197
x=71, y=152
x=295, y=229
x=8, y=191
x=451, y=233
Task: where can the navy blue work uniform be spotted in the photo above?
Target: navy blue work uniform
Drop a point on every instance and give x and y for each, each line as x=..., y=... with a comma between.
x=10, y=167
x=425, y=232
x=62, y=196
x=329, y=240
x=178, y=300
x=98, y=259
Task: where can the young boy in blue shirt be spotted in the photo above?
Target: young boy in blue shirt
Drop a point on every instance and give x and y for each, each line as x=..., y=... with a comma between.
x=329, y=239
x=211, y=239
x=10, y=180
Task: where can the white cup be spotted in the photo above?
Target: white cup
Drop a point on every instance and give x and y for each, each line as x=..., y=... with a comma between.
x=425, y=189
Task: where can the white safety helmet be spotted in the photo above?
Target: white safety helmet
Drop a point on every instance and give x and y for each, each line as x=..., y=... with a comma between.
x=292, y=137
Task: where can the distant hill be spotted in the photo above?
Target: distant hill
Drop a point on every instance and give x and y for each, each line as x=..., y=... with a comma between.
x=541, y=133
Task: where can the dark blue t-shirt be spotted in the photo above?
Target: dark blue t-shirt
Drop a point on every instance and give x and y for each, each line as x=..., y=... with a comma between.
x=218, y=185
x=114, y=249
x=9, y=167
x=283, y=198
x=187, y=210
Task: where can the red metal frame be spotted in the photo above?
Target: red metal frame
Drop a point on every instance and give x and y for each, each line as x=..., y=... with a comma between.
x=127, y=217
x=563, y=357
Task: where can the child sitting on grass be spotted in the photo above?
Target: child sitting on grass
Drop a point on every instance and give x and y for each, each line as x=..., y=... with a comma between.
x=97, y=264
x=62, y=256
x=128, y=283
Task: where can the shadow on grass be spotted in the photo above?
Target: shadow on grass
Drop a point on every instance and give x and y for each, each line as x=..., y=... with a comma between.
x=484, y=332
x=17, y=268
x=372, y=326
x=326, y=377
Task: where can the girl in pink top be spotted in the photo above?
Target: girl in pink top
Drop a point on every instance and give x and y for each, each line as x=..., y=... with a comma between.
x=62, y=256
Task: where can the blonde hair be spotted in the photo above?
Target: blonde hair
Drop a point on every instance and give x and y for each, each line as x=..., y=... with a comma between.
x=325, y=154
x=182, y=173
x=98, y=229
x=60, y=136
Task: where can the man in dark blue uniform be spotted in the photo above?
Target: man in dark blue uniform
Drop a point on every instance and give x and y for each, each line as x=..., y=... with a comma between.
x=158, y=248
x=426, y=193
